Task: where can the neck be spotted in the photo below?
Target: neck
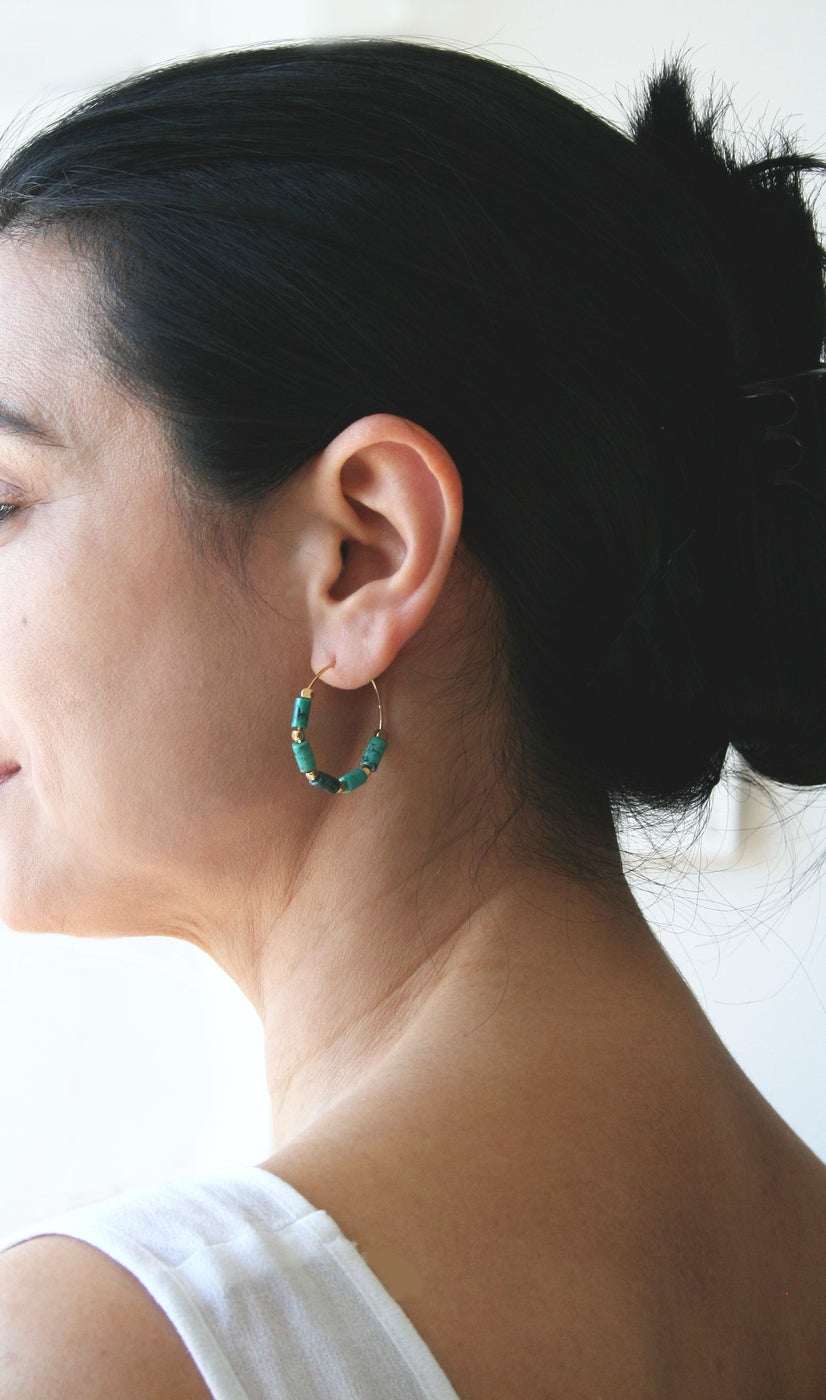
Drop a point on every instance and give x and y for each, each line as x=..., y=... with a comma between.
x=398, y=969
x=413, y=918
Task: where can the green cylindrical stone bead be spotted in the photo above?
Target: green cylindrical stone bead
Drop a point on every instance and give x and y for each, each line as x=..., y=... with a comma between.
x=372, y=754
x=327, y=782
x=304, y=756
x=353, y=779
x=301, y=712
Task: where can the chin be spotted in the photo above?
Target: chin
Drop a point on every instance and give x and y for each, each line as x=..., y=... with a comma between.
x=24, y=908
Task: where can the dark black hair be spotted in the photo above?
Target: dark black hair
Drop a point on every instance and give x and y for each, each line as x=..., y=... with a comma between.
x=291, y=238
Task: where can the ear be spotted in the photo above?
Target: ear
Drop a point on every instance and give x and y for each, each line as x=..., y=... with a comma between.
x=386, y=511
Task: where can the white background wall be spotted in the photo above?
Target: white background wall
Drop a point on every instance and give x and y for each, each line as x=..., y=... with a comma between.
x=137, y=1060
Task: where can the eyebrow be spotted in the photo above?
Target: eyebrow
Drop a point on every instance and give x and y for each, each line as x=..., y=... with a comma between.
x=14, y=422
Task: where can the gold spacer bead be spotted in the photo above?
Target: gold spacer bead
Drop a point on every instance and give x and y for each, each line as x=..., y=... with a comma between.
x=311, y=775
x=297, y=735
x=366, y=770
x=306, y=693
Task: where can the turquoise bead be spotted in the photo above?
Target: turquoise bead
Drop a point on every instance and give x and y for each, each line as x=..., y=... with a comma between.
x=304, y=756
x=306, y=761
x=353, y=779
x=327, y=782
x=301, y=712
x=373, y=753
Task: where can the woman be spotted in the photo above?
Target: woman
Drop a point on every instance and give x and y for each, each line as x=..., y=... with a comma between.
x=389, y=379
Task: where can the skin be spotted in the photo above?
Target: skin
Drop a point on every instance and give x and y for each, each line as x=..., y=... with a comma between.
x=141, y=685
x=428, y=985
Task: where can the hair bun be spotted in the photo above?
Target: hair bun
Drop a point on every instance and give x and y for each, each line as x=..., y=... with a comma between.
x=767, y=574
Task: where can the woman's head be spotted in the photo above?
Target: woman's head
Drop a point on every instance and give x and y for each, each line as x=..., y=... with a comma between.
x=275, y=246
x=146, y=683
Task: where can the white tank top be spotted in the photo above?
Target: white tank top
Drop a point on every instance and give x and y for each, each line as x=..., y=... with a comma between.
x=270, y=1299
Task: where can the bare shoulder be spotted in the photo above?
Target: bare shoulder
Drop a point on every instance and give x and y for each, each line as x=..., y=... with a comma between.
x=75, y=1323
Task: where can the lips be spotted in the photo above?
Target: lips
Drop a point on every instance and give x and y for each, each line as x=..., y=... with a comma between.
x=8, y=769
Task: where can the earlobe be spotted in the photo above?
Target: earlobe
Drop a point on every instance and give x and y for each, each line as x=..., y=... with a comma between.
x=391, y=501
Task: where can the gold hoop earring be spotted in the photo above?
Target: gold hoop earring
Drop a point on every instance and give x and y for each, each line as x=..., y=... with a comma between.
x=305, y=758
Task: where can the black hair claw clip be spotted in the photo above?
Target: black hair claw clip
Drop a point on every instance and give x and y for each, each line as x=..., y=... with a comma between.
x=788, y=418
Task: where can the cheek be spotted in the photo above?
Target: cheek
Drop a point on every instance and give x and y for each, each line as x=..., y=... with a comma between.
x=80, y=717
x=132, y=711
x=142, y=702
x=104, y=678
